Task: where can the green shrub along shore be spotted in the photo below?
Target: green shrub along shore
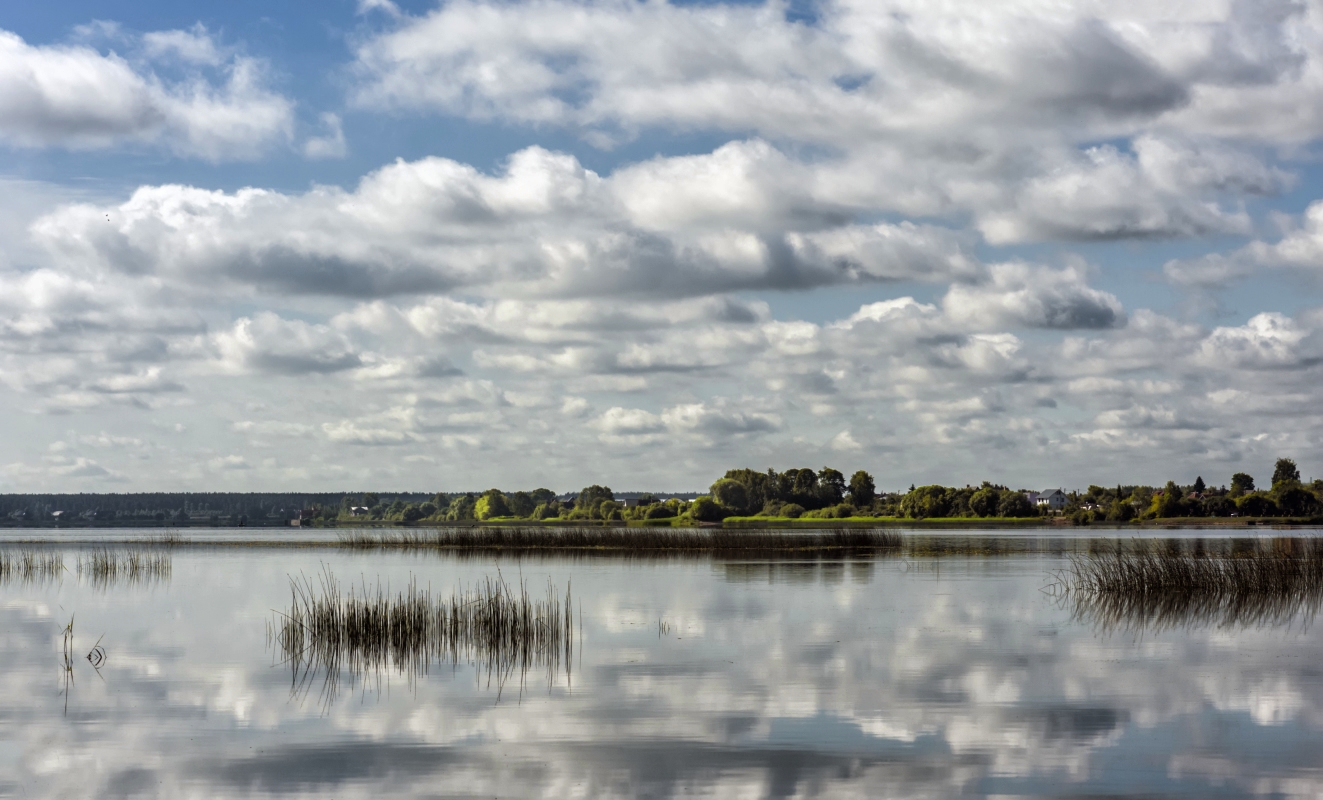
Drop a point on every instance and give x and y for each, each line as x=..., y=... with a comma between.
x=747, y=498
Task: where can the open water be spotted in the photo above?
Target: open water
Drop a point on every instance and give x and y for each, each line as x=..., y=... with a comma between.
x=689, y=677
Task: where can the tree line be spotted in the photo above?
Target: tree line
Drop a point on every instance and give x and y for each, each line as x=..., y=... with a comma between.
x=793, y=494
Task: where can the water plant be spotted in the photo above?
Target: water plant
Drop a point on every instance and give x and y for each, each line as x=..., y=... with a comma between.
x=104, y=567
x=30, y=565
x=1149, y=585
x=501, y=630
x=622, y=539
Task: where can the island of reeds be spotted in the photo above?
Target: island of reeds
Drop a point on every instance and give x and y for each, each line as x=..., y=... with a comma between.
x=1158, y=584
x=501, y=630
x=694, y=540
x=740, y=498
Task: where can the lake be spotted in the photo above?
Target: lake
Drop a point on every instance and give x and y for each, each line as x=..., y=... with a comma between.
x=695, y=676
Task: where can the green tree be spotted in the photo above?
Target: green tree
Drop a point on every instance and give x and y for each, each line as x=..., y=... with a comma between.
x=862, y=489
x=521, y=504
x=1257, y=504
x=758, y=486
x=984, y=502
x=1015, y=504
x=792, y=510
x=542, y=496
x=926, y=501
x=799, y=486
x=592, y=496
x=1199, y=486
x=491, y=504
x=1285, y=472
x=732, y=495
x=1167, y=504
x=1241, y=483
x=370, y=500
x=831, y=486
x=1294, y=501
x=461, y=507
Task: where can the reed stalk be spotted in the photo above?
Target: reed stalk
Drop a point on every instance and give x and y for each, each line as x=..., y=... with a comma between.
x=502, y=631
x=103, y=568
x=29, y=566
x=1160, y=585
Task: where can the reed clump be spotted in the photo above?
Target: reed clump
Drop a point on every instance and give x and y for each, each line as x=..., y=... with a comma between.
x=623, y=539
x=1158, y=585
x=29, y=566
x=501, y=630
x=107, y=567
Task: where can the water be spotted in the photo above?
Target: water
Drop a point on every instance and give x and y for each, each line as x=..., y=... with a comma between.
x=689, y=677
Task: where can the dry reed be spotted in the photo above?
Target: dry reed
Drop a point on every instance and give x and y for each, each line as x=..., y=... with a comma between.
x=30, y=566
x=622, y=539
x=500, y=630
x=104, y=568
x=1162, y=585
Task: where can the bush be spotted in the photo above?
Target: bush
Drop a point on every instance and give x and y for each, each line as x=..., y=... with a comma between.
x=731, y=495
x=926, y=501
x=659, y=512
x=1015, y=504
x=792, y=510
x=704, y=509
x=1296, y=502
x=1257, y=505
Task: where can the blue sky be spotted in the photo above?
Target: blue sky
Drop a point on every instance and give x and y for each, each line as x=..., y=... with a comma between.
x=449, y=246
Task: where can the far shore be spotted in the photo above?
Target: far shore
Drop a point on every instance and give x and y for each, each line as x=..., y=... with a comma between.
x=735, y=523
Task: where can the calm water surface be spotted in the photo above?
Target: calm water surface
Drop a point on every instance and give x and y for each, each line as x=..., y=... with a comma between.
x=690, y=677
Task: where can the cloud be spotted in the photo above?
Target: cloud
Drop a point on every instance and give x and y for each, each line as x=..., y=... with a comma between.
x=543, y=225
x=76, y=97
x=862, y=70
x=268, y=344
x=331, y=145
x=348, y=432
x=1163, y=190
x=1020, y=296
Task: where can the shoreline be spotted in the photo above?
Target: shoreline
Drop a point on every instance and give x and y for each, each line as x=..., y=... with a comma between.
x=734, y=524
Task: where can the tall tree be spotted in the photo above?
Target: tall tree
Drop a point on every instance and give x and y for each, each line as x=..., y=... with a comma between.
x=1241, y=483
x=1285, y=472
x=831, y=486
x=862, y=489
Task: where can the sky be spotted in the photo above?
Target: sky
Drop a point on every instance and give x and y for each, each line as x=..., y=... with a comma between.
x=360, y=244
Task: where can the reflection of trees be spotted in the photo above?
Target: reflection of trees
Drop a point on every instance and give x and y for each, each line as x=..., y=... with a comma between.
x=1197, y=583
x=502, y=632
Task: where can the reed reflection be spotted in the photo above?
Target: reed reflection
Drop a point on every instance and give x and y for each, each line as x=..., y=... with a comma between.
x=103, y=569
x=502, y=631
x=30, y=566
x=1162, y=585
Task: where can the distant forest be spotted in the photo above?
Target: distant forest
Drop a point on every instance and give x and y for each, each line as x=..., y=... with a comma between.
x=741, y=493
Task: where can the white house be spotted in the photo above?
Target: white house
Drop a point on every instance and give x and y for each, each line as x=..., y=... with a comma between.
x=1053, y=499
